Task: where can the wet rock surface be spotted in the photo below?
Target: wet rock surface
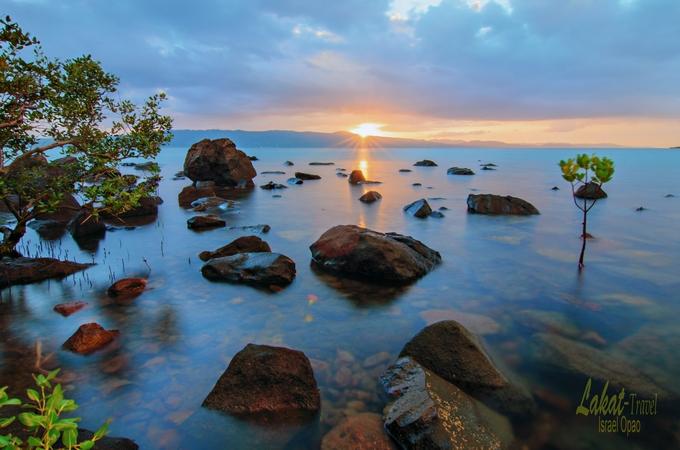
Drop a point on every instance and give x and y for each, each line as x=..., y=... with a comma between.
x=66, y=309
x=89, y=338
x=264, y=269
x=127, y=287
x=363, y=431
x=590, y=191
x=499, y=205
x=244, y=244
x=266, y=379
x=426, y=163
x=23, y=270
x=356, y=177
x=381, y=257
x=220, y=161
x=271, y=186
x=205, y=222
x=370, y=197
x=459, y=171
x=307, y=176
x=190, y=194
x=420, y=209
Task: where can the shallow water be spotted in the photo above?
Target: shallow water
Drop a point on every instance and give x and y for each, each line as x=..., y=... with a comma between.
x=504, y=278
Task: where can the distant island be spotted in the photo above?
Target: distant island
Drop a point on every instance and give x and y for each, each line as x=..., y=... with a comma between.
x=312, y=139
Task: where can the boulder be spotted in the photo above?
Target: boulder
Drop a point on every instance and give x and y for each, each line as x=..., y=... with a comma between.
x=356, y=177
x=590, y=191
x=499, y=205
x=253, y=158
x=65, y=211
x=147, y=206
x=289, y=163
x=31, y=270
x=382, y=257
x=264, y=269
x=426, y=163
x=426, y=412
x=220, y=161
x=420, y=209
x=265, y=379
x=370, y=197
x=460, y=171
x=190, y=194
x=307, y=176
x=416, y=184
x=208, y=203
x=244, y=244
x=364, y=431
x=66, y=309
x=127, y=287
x=89, y=338
x=204, y=222
x=85, y=225
x=271, y=185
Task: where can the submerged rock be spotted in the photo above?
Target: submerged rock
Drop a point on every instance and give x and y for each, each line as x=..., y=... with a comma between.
x=356, y=177
x=204, y=222
x=190, y=194
x=295, y=181
x=416, y=184
x=341, y=174
x=405, y=170
x=220, y=161
x=289, y=163
x=420, y=209
x=362, y=431
x=89, y=338
x=487, y=168
x=208, y=203
x=370, y=197
x=263, y=269
x=31, y=270
x=555, y=188
x=127, y=287
x=460, y=171
x=590, y=191
x=381, y=257
x=426, y=163
x=307, y=176
x=426, y=412
x=66, y=309
x=271, y=185
x=499, y=205
x=244, y=244
x=316, y=163
x=265, y=379
x=273, y=172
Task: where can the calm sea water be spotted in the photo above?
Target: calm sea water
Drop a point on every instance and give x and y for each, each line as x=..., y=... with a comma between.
x=505, y=278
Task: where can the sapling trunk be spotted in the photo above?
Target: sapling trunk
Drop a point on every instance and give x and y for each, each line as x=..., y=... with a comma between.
x=584, y=236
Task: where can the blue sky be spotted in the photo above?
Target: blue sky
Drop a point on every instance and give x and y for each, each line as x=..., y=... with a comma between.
x=513, y=70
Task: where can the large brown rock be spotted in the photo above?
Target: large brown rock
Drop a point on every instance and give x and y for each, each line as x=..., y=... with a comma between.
x=370, y=197
x=590, y=191
x=265, y=379
x=420, y=209
x=85, y=225
x=356, y=177
x=220, y=161
x=364, y=431
x=499, y=205
x=382, y=257
x=31, y=270
x=89, y=338
x=127, y=287
x=68, y=308
x=244, y=244
x=190, y=194
x=264, y=269
x=67, y=209
x=205, y=222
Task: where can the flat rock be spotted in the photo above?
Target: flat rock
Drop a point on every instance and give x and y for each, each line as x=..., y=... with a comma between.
x=356, y=177
x=307, y=176
x=273, y=172
x=420, y=209
x=499, y=205
x=289, y=163
x=244, y=244
x=364, y=431
x=89, y=338
x=190, y=194
x=204, y=222
x=208, y=203
x=271, y=185
x=263, y=269
x=590, y=191
x=316, y=163
x=459, y=171
x=405, y=170
x=24, y=270
x=265, y=379
x=382, y=257
x=68, y=308
x=220, y=161
x=294, y=181
x=370, y=197
x=426, y=163
x=127, y=287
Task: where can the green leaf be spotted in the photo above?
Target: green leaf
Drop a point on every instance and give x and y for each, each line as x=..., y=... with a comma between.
x=6, y=422
x=31, y=420
x=70, y=437
x=32, y=394
x=102, y=431
x=34, y=442
x=86, y=445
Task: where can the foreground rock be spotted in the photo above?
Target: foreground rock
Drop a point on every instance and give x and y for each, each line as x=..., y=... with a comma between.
x=271, y=186
x=32, y=270
x=264, y=269
x=264, y=379
x=460, y=171
x=381, y=257
x=426, y=163
x=67, y=209
x=190, y=194
x=85, y=225
x=370, y=197
x=127, y=287
x=362, y=431
x=499, y=205
x=66, y=309
x=205, y=222
x=220, y=161
x=590, y=191
x=356, y=177
x=453, y=353
x=420, y=209
x=89, y=338
x=307, y=176
x=244, y=244
x=148, y=206
x=426, y=412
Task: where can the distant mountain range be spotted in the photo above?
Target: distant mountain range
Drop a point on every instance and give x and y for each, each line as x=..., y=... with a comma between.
x=312, y=139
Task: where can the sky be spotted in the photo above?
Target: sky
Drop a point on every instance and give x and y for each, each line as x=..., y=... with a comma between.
x=519, y=71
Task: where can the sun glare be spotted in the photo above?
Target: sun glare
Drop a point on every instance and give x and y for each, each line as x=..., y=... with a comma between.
x=368, y=129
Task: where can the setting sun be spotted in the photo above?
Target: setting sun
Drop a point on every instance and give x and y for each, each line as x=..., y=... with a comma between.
x=368, y=129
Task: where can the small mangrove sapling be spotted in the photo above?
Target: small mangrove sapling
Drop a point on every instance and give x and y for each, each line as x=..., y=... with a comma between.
x=586, y=170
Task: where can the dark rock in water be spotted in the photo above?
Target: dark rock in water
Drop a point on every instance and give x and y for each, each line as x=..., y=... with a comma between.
x=146, y=166
x=443, y=208
x=371, y=182
x=588, y=236
x=253, y=158
x=362, y=431
x=66, y=309
x=208, y=203
x=669, y=196
x=437, y=215
x=342, y=174
x=276, y=196
x=640, y=208
x=488, y=165
x=307, y=176
x=108, y=442
x=436, y=198
x=426, y=412
x=460, y=171
x=265, y=379
x=271, y=185
x=127, y=287
x=419, y=208
x=341, y=169
x=426, y=163
x=273, y=172
x=555, y=188
x=49, y=230
x=590, y=191
x=89, y=338
x=220, y=161
x=416, y=184
x=31, y=270
x=190, y=194
x=84, y=224
x=67, y=209
x=264, y=269
x=356, y=177
x=261, y=228
x=499, y=205
x=289, y=163
x=147, y=206
x=180, y=174
x=453, y=353
x=487, y=168
x=370, y=197
x=381, y=257
x=405, y=170
x=295, y=181
x=244, y=244
x=202, y=222
x=321, y=163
